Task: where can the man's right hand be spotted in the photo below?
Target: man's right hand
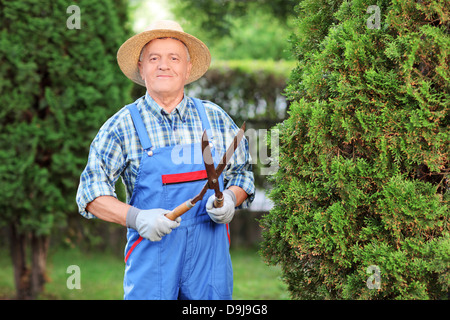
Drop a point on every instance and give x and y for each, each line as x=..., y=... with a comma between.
x=151, y=224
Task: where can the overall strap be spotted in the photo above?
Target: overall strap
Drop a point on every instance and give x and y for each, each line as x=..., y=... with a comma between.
x=201, y=111
x=142, y=132
x=139, y=125
x=205, y=123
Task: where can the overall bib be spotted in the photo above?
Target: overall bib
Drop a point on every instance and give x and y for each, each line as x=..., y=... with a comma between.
x=193, y=261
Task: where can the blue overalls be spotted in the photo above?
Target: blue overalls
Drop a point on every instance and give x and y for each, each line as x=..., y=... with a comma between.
x=193, y=261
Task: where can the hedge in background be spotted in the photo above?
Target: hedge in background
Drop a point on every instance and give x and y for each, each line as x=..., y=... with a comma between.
x=249, y=90
x=57, y=87
x=361, y=197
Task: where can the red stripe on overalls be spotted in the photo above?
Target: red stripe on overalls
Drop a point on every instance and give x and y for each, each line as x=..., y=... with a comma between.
x=184, y=177
x=132, y=247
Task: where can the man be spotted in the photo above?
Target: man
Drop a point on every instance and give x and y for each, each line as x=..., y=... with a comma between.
x=153, y=144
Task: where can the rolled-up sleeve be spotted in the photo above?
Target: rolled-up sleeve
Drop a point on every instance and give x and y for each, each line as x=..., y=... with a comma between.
x=103, y=168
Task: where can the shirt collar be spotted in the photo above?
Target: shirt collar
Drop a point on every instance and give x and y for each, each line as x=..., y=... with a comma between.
x=160, y=113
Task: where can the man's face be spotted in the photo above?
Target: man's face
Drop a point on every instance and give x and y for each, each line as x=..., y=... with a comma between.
x=165, y=67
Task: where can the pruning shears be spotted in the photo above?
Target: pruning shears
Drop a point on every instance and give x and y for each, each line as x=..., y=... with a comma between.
x=212, y=173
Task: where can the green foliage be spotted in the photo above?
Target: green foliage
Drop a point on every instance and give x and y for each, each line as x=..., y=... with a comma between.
x=364, y=167
x=57, y=86
x=216, y=15
x=258, y=35
x=238, y=29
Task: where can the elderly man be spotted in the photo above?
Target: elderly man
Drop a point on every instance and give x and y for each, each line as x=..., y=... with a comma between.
x=152, y=144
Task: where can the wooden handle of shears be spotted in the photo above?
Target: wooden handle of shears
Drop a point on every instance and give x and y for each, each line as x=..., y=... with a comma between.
x=218, y=203
x=186, y=206
x=180, y=210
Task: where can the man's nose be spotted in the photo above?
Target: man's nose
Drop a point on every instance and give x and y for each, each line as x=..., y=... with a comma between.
x=163, y=64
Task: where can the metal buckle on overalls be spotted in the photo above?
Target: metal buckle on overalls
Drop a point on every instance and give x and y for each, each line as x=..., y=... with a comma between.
x=150, y=152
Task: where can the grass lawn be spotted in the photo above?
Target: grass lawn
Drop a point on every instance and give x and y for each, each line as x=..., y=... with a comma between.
x=101, y=276
x=254, y=280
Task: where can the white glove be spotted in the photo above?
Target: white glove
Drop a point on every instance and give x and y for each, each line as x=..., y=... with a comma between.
x=224, y=214
x=151, y=224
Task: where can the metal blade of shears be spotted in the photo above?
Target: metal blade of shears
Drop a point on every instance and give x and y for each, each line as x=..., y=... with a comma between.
x=223, y=162
x=184, y=207
x=230, y=151
x=213, y=177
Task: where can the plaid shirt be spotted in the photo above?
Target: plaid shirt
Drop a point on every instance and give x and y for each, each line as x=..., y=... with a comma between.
x=116, y=150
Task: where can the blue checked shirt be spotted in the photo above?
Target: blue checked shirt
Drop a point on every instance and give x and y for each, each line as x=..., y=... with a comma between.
x=116, y=150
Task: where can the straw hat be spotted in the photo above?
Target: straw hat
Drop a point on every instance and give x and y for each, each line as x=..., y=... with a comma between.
x=129, y=52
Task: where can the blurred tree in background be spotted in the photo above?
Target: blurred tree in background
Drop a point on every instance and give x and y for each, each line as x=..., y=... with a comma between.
x=57, y=87
x=215, y=17
x=361, y=197
x=235, y=29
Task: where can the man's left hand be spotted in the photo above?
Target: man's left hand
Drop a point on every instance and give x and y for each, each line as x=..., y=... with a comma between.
x=224, y=214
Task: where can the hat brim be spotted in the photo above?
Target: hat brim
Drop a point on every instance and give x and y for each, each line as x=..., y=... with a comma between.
x=129, y=52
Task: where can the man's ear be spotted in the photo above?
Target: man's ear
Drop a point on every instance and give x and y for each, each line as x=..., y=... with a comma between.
x=140, y=67
x=189, y=68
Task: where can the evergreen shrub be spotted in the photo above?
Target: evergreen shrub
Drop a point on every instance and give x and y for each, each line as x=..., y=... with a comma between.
x=361, y=196
x=59, y=81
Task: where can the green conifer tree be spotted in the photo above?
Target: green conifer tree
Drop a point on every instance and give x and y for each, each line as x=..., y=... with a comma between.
x=361, y=197
x=59, y=80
